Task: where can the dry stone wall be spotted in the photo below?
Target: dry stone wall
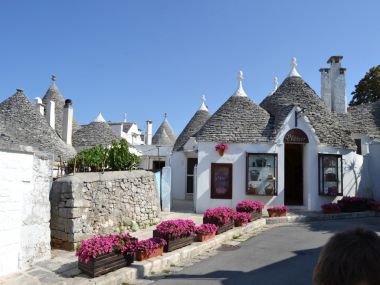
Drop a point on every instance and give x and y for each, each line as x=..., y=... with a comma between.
x=87, y=204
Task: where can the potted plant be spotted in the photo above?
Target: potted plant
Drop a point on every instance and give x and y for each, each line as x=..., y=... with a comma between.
x=277, y=211
x=221, y=148
x=250, y=206
x=242, y=218
x=176, y=233
x=205, y=232
x=330, y=208
x=353, y=204
x=150, y=248
x=223, y=217
x=103, y=254
x=374, y=205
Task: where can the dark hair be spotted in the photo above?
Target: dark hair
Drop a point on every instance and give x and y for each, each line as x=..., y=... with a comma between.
x=351, y=257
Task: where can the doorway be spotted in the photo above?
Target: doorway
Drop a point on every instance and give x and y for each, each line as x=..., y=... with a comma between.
x=191, y=163
x=294, y=174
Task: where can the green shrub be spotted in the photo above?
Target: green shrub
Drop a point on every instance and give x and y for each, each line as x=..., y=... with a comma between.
x=99, y=158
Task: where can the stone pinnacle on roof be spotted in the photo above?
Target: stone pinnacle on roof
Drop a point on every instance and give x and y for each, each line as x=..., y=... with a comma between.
x=203, y=105
x=164, y=134
x=240, y=91
x=293, y=72
x=99, y=118
x=275, y=85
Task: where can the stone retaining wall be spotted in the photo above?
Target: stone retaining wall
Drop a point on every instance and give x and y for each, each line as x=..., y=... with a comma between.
x=87, y=204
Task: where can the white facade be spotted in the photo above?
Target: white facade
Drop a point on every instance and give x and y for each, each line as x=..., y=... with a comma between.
x=25, y=210
x=132, y=136
x=236, y=154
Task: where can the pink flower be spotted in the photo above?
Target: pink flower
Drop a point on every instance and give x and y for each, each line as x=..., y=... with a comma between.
x=221, y=146
x=331, y=206
x=150, y=245
x=243, y=217
x=206, y=229
x=172, y=229
x=249, y=206
x=219, y=216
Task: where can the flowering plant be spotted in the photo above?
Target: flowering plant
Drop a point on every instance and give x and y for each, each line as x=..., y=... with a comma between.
x=150, y=245
x=354, y=199
x=100, y=245
x=249, y=206
x=220, y=215
x=172, y=229
x=331, y=207
x=221, y=146
x=243, y=217
x=206, y=229
x=374, y=205
x=278, y=209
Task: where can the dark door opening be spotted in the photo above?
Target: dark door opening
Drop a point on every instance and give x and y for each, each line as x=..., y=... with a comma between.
x=191, y=162
x=293, y=174
x=158, y=165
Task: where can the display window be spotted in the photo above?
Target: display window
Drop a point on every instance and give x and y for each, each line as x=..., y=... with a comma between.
x=330, y=170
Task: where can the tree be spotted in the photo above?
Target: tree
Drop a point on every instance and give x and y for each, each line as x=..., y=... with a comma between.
x=368, y=88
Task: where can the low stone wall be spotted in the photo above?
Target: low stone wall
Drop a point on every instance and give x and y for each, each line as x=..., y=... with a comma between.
x=86, y=204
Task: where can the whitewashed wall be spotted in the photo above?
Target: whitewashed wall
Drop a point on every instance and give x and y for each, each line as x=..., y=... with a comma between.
x=25, y=182
x=236, y=154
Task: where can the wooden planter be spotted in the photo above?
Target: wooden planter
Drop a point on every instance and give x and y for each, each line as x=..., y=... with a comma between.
x=255, y=215
x=348, y=207
x=142, y=255
x=277, y=213
x=204, y=237
x=330, y=211
x=105, y=263
x=221, y=228
x=239, y=224
x=173, y=244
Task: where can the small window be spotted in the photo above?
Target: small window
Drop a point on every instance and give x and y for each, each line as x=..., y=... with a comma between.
x=358, y=143
x=330, y=174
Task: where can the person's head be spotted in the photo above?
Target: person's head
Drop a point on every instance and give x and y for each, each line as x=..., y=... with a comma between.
x=351, y=257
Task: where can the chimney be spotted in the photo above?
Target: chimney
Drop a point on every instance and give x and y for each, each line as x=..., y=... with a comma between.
x=68, y=122
x=333, y=85
x=50, y=113
x=148, y=132
x=38, y=105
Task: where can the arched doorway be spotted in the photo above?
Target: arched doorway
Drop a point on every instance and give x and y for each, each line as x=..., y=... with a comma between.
x=294, y=140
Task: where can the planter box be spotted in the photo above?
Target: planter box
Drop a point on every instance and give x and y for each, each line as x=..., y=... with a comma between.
x=142, y=255
x=348, y=207
x=174, y=244
x=255, y=215
x=105, y=263
x=221, y=228
x=204, y=237
x=239, y=224
x=277, y=213
x=330, y=211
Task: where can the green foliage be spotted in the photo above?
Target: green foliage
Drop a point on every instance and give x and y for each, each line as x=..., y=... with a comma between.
x=99, y=158
x=119, y=157
x=368, y=88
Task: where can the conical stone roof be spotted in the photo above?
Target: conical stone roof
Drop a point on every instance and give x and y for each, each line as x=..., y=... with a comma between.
x=53, y=94
x=25, y=126
x=192, y=127
x=294, y=91
x=95, y=133
x=164, y=134
x=238, y=120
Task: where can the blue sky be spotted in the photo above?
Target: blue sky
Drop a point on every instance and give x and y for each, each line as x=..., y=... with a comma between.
x=150, y=57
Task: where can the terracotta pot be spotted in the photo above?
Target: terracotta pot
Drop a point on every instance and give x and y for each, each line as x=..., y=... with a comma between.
x=239, y=224
x=221, y=152
x=204, y=237
x=142, y=255
x=277, y=213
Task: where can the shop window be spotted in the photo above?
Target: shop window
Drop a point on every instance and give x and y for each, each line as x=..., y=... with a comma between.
x=330, y=174
x=261, y=173
x=358, y=143
x=221, y=181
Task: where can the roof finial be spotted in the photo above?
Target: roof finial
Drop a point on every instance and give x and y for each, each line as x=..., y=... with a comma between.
x=125, y=117
x=240, y=91
x=53, y=77
x=293, y=71
x=275, y=84
x=165, y=115
x=203, y=105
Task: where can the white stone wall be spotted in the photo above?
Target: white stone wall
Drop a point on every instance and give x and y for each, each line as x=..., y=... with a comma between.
x=374, y=169
x=24, y=210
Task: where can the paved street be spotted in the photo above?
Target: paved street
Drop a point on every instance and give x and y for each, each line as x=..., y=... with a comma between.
x=282, y=255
